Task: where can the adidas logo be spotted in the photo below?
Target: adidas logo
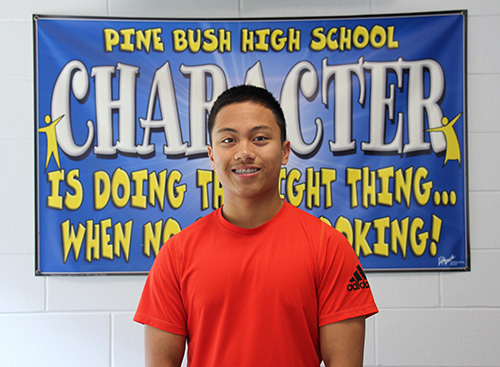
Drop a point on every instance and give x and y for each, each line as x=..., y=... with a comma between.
x=358, y=280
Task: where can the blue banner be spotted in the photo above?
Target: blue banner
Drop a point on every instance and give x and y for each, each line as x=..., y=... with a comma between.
x=376, y=116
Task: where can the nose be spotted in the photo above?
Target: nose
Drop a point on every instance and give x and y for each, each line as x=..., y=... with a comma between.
x=244, y=152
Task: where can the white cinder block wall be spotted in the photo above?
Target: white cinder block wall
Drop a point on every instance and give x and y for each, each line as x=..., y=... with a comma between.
x=426, y=319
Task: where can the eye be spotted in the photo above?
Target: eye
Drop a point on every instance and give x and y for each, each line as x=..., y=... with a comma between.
x=260, y=138
x=227, y=140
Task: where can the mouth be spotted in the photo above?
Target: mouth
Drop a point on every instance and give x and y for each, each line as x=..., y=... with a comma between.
x=245, y=171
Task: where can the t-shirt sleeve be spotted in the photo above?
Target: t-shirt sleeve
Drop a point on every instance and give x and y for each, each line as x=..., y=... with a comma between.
x=344, y=291
x=161, y=304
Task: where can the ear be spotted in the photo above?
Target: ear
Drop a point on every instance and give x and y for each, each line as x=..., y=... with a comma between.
x=211, y=156
x=285, y=152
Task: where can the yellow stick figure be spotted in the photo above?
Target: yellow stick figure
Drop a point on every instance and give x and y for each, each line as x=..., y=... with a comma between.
x=50, y=131
x=452, y=144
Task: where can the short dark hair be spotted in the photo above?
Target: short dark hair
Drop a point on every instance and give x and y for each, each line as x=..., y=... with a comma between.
x=248, y=93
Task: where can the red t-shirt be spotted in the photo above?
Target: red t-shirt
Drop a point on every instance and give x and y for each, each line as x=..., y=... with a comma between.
x=254, y=297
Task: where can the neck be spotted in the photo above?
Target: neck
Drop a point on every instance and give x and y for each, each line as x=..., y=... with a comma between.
x=251, y=213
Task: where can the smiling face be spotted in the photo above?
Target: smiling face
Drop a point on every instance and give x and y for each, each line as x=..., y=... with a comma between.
x=247, y=152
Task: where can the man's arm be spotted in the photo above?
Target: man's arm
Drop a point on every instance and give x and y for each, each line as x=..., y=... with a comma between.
x=342, y=343
x=163, y=349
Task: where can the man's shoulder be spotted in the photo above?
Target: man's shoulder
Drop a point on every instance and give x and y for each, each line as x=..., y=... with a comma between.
x=199, y=228
x=312, y=224
x=201, y=224
x=302, y=215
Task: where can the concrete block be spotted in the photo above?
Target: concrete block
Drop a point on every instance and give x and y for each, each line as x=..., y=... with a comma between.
x=75, y=293
x=17, y=224
x=284, y=8
x=370, y=344
x=17, y=196
x=438, y=337
x=478, y=7
x=21, y=290
x=484, y=217
x=16, y=99
x=128, y=341
x=55, y=340
x=17, y=170
x=483, y=52
x=477, y=288
x=173, y=8
x=405, y=290
x=26, y=8
x=484, y=166
x=17, y=51
x=484, y=109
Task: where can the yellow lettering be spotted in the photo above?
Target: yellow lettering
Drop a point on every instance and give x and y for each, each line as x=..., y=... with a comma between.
x=360, y=232
x=203, y=178
x=54, y=200
x=280, y=181
x=102, y=189
x=139, y=199
x=97, y=239
x=262, y=35
x=211, y=42
x=312, y=188
x=70, y=240
x=120, y=183
x=152, y=238
x=92, y=242
x=345, y=38
x=111, y=39
x=390, y=38
x=402, y=186
x=179, y=40
x=277, y=41
x=332, y=43
x=247, y=43
x=127, y=44
x=328, y=176
x=175, y=193
x=381, y=248
x=73, y=201
x=399, y=236
x=422, y=192
x=369, y=188
x=157, y=41
x=157, y=188
x=378, y=37
x=155, y=237
x=122, y=237
x=218, y=192
x=194, y=43
x=293, y=40
x=143, y=39
x=384, y=197
x=353, y=177
x=294, y=193
x=360, y=37
x=318, y=42
x=106, y=247
x=418, y=242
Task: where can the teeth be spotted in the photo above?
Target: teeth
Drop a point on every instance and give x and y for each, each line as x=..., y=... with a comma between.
x=243, y=171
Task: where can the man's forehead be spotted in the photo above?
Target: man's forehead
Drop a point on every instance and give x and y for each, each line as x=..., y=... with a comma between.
x=237, y=110
x=249, y=102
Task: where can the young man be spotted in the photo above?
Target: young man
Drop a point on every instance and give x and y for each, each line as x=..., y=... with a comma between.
x=258, y=282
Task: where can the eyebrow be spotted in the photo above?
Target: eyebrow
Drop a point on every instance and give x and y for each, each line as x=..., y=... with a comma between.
x=254, y=129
